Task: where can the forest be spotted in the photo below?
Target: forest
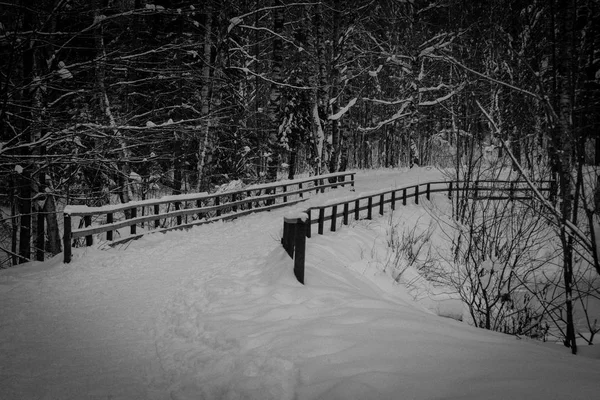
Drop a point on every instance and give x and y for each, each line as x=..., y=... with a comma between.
x=115, y=100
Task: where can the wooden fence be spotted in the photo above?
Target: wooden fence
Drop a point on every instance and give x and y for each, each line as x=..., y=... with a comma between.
x=185, y=211
x=355, y=207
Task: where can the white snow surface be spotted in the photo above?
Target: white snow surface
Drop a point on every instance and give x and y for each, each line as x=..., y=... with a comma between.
x=216, y=313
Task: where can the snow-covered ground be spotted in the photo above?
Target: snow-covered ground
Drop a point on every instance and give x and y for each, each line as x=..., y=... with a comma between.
x=216, y=313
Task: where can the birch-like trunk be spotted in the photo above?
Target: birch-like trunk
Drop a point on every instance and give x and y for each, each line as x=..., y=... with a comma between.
x=100, y=69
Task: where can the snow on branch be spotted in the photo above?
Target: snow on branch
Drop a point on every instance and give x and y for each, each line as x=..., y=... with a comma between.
x=441, y=99
x=389, y=102
x=342, y=110
x=399, y=114
x=264, y=78
x=237, y=20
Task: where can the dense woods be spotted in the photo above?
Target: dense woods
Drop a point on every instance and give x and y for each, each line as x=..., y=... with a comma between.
x=114, y=100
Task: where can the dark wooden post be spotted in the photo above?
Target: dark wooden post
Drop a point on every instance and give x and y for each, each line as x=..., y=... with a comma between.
x=285, y=191
x=511, y=190
x=133, y=215
x=233, y=200
x=87, y=221
x=300, y=188
x=322, y=182
x=316, y=186
x=416, y=194
x=428, y=192
x=333, y=218
x=475, y=194
x=67, y=238
x=346, y=213
x=218, y=203
x=393, y=200
x=109, y=220
x=308, y=223
x=450, y=190
x=300, y=250
x=356, y=209
x=177, y=206
x=352, y=180
x=370, y=208
x=404, y=196
x=288, y=240
x=321, y=220
x=249, y=204
x=156, y=212
x=381, y=198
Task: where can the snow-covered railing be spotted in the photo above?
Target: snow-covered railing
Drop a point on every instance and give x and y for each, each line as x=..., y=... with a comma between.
x=480, y=189
x=201, y=208
x=365, y=203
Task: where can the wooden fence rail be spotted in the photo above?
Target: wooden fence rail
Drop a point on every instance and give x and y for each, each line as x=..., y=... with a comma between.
x=476, y=190
x=185, y=211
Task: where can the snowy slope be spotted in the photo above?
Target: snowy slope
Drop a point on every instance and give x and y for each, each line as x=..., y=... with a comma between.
x=216, y=313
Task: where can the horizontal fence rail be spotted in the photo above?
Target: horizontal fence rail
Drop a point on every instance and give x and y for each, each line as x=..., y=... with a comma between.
x=188, y=210
x=356, y=206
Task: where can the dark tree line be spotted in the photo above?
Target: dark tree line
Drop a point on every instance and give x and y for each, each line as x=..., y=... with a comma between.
x=114, y=100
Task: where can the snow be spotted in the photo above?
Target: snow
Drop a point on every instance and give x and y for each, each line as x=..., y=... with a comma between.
x=343, y=110
x=216, y=313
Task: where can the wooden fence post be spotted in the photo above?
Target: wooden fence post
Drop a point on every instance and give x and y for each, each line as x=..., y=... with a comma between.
x=346, y=213
x=156, y=212
x=393, y=200
x=356, y=209
x=416, y=194
x=321, y=220
x=218, y=203
x=177, y=206
x=352, y=180
x=300, y=188
x=381, y=199
x=369, y=208
x=404, y=196
x=87, y=221
x=133, y=215
x=109, y=220
x=67, y=238
x=476, y=192
x=450, y=190
x=285, y=191
x=308, y=223
x=333, y=218
x=300, y=250
x=294, y=243
x=233, y=200
x=428, y=192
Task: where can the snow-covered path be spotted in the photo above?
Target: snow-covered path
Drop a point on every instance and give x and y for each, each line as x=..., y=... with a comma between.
x=215, y=313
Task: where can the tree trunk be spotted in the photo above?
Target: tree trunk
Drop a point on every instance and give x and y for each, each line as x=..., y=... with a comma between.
x=274, y=105
x=334, y=162
x=105, y=105
x=563, y=139
x=25, y=181
x=206, y=142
